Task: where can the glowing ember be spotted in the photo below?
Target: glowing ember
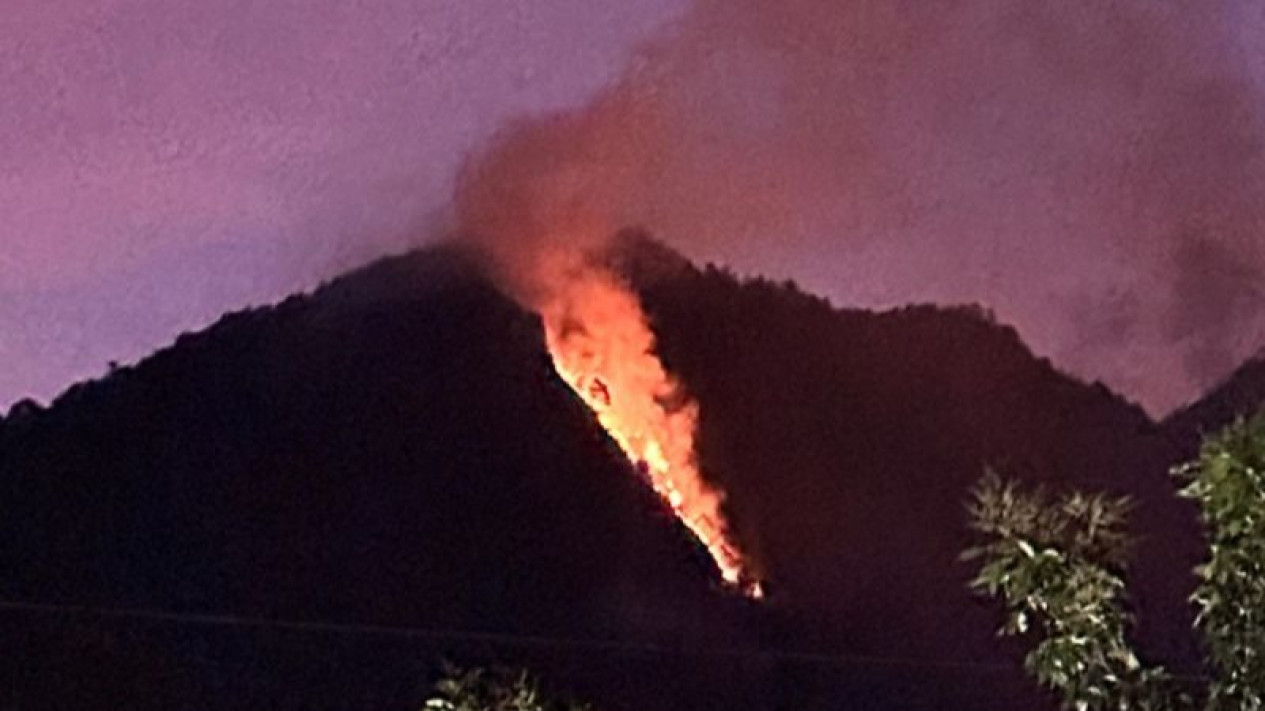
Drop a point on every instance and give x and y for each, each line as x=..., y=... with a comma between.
x=602, y=346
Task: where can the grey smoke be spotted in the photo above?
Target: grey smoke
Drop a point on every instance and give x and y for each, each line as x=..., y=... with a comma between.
x=1093, y=170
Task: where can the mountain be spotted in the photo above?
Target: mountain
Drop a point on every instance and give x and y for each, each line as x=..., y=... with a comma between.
x=308, y=505
x=1241, y=394
x=394, y=451
x=848, y=440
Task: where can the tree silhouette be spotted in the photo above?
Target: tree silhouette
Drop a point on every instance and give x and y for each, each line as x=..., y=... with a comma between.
x=493, y=690
x=1057, y=565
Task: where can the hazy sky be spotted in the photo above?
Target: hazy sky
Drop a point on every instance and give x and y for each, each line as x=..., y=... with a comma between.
x=162, y=161
x=1092, y=169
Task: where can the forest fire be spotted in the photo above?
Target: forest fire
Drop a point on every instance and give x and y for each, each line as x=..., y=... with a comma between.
x=603, y=348
x=546, y=225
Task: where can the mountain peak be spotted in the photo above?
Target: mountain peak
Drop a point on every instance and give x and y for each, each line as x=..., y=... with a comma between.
x=395, y=449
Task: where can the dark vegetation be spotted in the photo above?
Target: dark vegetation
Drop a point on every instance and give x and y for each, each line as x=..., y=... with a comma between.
x=497, y=689
x=394, y=454
x=1059, y=565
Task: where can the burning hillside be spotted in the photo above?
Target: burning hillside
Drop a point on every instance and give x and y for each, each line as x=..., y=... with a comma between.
x=603, y=347
x=545, y=230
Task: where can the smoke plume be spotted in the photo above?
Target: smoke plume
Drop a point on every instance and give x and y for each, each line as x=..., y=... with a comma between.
x=1093, y=171
x=539, y=202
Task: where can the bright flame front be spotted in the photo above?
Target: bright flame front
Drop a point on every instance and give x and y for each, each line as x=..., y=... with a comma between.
x=603, y=347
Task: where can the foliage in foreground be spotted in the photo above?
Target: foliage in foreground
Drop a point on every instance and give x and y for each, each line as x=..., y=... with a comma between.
x=1057, y=566
x=1228, y=484
x=493, y=690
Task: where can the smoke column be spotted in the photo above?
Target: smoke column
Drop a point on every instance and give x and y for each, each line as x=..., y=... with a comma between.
x=1092, y=170
x=532, y=213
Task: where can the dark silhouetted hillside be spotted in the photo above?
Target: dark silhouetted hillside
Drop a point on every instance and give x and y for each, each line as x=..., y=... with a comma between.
x=393, y=451
x=396, y=451
x=1241, y=394
x=848, y=440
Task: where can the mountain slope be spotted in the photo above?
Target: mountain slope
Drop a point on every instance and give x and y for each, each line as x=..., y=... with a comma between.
x=1241, y=394
x=396, y=451
x=849, y=441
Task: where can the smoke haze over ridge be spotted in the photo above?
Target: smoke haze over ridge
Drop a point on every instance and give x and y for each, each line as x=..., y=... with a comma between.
x=1091, y=171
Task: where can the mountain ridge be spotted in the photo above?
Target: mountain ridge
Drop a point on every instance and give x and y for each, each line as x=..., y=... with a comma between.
x=1239, y=395
x=447, y=477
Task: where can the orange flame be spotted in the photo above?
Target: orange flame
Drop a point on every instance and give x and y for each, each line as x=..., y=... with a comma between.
x=603, y=348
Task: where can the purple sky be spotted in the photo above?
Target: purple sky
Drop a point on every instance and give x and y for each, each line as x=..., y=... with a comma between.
x=1092, y=169
x=162, y=161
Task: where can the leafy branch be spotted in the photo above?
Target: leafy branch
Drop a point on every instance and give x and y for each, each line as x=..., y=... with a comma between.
x=1228, y=484
x=1057, y=564
x=492, y=690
